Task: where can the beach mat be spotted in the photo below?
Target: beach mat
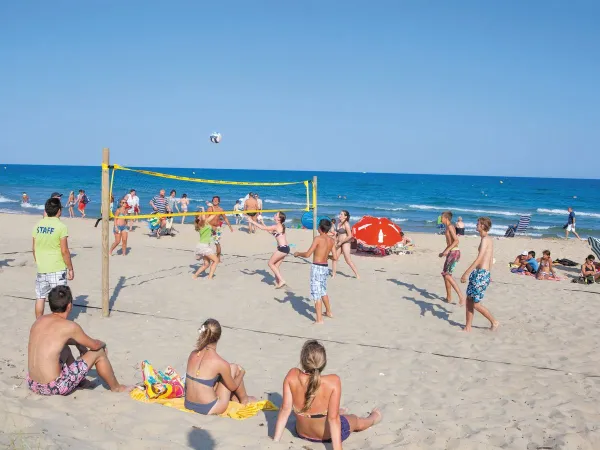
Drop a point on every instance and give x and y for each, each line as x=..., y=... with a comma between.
x=235, y=410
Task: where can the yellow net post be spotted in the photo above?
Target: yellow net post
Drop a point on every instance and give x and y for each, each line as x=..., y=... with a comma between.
x=105, y=230
x=314, y=206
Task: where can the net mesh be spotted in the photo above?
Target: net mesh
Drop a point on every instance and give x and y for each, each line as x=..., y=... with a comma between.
x=276, y=196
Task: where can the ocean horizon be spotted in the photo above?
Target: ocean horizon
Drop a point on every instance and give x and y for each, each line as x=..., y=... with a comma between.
x=414, y=201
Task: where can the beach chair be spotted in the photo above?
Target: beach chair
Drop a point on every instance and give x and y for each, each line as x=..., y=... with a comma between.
x=595, y=244
x=519, y=228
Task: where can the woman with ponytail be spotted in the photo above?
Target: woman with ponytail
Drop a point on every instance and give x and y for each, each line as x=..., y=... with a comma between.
x=342, y=245
x=210, y=381
x=315, y=399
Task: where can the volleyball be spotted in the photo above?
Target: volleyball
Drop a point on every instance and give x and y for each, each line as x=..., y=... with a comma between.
x=215, y=138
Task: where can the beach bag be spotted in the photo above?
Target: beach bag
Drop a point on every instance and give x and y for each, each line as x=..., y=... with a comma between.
x=85, y=200
x=161, y=385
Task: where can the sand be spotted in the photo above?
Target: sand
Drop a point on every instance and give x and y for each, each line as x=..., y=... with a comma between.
x=395, y=344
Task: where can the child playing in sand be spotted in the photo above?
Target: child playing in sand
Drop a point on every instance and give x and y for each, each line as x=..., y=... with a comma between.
x=546, y=269
x=204, y=251
x=479, y=276
x=452, y=254
x=321, y=247
x=588, y=271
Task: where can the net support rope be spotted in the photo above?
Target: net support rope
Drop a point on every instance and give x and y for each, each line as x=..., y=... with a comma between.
x=116, y=167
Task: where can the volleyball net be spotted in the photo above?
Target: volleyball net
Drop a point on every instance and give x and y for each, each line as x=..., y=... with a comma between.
x=193, y=196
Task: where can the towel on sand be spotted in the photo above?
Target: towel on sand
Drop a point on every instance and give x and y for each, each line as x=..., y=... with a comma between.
x=234, y=410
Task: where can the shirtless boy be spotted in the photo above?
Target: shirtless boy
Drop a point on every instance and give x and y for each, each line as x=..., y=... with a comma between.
x=321, y=248
x=251, y=205
x=452, y=254
x=216, y=221
x=52, y=368
x=479, y=276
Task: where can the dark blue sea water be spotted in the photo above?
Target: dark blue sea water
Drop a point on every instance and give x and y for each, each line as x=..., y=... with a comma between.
x=413, y=201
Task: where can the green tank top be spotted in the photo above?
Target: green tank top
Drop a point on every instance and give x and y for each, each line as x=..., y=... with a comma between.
x=205, y=234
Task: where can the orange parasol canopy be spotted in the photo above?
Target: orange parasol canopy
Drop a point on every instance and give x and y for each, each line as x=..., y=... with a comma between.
x=377, y=231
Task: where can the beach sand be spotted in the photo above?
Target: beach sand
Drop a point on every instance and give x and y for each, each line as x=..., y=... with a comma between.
x=395, y=344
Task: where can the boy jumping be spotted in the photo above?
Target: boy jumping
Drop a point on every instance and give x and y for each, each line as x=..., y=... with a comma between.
x=321, y=247
x=452, y=254
x=479, y=276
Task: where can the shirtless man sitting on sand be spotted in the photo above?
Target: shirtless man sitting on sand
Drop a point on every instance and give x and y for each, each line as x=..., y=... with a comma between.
x=52, y=368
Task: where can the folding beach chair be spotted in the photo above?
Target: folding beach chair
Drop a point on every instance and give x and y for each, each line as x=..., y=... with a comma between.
x=520, y=228
x=595, y=244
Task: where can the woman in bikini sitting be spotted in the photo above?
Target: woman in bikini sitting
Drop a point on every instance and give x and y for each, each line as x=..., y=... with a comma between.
x=545, y=270
x=283, y=249
x=315, y=399
x=210, y=381
x=344, y=236
x=120, y=228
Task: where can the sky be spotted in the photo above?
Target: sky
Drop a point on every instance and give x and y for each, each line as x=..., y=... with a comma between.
x=450, y=87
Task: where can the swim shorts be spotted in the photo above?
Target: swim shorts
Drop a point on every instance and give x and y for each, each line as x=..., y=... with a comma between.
x=70, y=377
x=44, y=282
x=216, y=235
x=450, y=264
x=318, y=281
x=345, y=425
x=479, y=280
x=203, y=250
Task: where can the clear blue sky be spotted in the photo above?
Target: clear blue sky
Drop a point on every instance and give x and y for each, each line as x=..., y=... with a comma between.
x=457, y=87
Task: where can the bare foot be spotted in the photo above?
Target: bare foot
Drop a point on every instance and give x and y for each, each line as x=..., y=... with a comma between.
x=318, y=323
x=194, y=276
x=122, y=388
x=358, y=277
x=466, y=330
x=495, y=326
x=328, y=314
x=447, y=300
x=376, y=416
x=280, y=285
x=462, y=302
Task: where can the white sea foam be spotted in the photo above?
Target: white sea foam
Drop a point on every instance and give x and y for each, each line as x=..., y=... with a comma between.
x=32, y=206
x=476, y=211
x=8, y=211
x=563, y=212
x=394, y=219
x=282, y=202
x=389, y=209
x=7, y=200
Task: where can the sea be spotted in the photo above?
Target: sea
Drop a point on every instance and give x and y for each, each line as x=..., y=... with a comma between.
x=414, y=202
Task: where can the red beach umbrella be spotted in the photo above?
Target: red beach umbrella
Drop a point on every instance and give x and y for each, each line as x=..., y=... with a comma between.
x=377, y=231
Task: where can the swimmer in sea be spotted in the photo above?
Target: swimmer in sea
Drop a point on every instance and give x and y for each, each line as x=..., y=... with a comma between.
x=25, y=198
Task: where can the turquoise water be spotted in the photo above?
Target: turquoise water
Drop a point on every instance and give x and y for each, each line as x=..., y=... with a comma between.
x=413, y=201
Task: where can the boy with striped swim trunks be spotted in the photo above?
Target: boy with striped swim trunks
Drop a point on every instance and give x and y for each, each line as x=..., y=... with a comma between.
x=321, y=248
x=479, y=276
x=51, y=254
x=452, y=254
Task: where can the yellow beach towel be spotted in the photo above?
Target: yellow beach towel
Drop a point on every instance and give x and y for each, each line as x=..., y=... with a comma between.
x=235, y=410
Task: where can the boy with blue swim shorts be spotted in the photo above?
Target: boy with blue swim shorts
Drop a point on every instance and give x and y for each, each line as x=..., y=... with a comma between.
x=478, y=274
x=321, y=248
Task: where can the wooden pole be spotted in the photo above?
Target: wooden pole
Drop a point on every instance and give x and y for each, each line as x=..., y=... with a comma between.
x=105, y=230
x=315, y=224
